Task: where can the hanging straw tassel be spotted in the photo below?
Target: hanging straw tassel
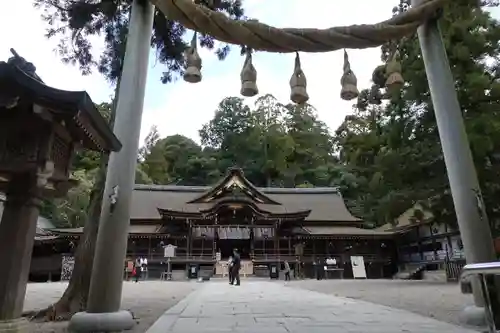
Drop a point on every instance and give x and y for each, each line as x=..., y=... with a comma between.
x=298, y=83
x=348, y=81
x=193, y=63
x=393, y=69
x=248, y=77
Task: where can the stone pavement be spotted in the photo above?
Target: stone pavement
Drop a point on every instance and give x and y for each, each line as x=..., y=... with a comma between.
x=270, y=307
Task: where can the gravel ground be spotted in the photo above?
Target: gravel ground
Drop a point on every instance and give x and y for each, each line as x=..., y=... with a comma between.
x=147, y=301
x=442, y=301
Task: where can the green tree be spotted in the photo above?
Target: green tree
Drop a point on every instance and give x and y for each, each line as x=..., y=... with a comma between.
x=312, y=154
x=275, y=144
x=179, y=160
x=395, y=147
x=73, y=22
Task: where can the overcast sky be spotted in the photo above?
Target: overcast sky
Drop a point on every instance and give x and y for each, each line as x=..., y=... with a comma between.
x=182, y=108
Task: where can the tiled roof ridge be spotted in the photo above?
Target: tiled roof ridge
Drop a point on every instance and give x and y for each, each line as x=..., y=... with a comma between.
x=271, y=190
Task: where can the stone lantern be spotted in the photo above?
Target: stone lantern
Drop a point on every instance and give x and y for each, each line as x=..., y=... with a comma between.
x=40, y=129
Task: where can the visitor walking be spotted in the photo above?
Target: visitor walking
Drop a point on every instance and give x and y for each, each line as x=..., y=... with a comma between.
x=144, y=268
x=137, y=269
x=287, y=271
x=230, y=269
x=236, y=268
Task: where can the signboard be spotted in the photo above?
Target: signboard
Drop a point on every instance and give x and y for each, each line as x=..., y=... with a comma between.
x=299, y=249
x=67, y=265
x=218, y=256
x=169, y=251
x=331, y=261
x=358, y=267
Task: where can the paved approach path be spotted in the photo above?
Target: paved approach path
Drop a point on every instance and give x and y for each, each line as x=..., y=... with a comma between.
x=270, y=307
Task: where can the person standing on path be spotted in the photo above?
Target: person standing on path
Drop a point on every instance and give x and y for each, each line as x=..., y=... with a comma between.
x=137, y=269
x=230, y=269
x=236, y=268
x=287, y=271
x=144, y=267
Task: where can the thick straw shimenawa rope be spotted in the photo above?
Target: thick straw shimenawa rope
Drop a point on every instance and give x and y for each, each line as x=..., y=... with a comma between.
x=262, y=37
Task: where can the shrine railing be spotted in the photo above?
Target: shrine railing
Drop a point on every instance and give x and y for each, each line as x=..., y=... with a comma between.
x=486, y=272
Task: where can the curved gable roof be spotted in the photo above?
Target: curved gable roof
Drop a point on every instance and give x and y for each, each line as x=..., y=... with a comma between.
x=326, y=204
x=75, y=104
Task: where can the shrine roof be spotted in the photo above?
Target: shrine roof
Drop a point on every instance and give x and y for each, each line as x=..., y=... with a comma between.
x=133, y=229
x=342, y=230
x=77, y=106
x=324, y=203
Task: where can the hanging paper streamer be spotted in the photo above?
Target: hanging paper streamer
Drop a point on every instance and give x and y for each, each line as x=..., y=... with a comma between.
x=348, y=81
x=263, y=232
x=248, y=77
x=193, y=62
x=298, y=83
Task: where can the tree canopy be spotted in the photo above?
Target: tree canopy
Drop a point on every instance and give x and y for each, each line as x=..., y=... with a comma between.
x=76, y=22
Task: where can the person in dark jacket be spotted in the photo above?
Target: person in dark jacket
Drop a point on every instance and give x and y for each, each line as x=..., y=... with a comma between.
x=230, y=269
x=236, y=268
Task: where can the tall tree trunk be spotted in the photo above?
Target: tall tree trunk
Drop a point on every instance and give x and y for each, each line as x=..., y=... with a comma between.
x=75, y=296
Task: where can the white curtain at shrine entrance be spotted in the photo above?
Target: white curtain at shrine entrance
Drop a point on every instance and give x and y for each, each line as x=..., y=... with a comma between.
x=234, y=233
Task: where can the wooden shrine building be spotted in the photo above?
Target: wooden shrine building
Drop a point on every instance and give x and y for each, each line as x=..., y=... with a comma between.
x=266, y=225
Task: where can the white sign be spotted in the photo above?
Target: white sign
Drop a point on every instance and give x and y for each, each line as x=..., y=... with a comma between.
x=358, y=267
x=169, y=251
x=331, y=261
x=218, y=256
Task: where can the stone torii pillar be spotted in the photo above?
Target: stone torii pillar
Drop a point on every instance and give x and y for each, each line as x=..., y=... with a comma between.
x=469, y=207
x=103, y=311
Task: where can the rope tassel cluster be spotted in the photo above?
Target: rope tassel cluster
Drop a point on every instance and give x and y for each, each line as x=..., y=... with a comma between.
x=394, y=81
x=193, y=62
x=389, y=76
x=348, y=81
x=262, y=37
x=248, y=76
x=298, y=83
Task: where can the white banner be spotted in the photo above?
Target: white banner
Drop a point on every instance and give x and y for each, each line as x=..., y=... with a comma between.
x=169, y=251
x=358, y=267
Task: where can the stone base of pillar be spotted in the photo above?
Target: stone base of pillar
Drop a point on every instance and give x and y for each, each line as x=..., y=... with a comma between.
x=20, y=325
x=473, y=316
x=101, y=322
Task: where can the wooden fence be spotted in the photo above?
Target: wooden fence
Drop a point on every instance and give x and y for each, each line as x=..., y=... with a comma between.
x=453, y=269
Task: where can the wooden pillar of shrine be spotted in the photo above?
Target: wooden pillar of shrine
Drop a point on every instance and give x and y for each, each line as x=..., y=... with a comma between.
x=433, y=239
x=17, y=234
x=419, y=244
x=276, y=241
x=252, y=241
x=189, y=242
x=149, y=247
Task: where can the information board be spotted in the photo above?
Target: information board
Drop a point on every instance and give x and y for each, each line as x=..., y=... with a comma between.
x=169, y=251
x=358, y=267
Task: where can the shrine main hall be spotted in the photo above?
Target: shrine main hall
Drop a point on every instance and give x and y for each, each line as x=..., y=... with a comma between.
x=267, y=225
